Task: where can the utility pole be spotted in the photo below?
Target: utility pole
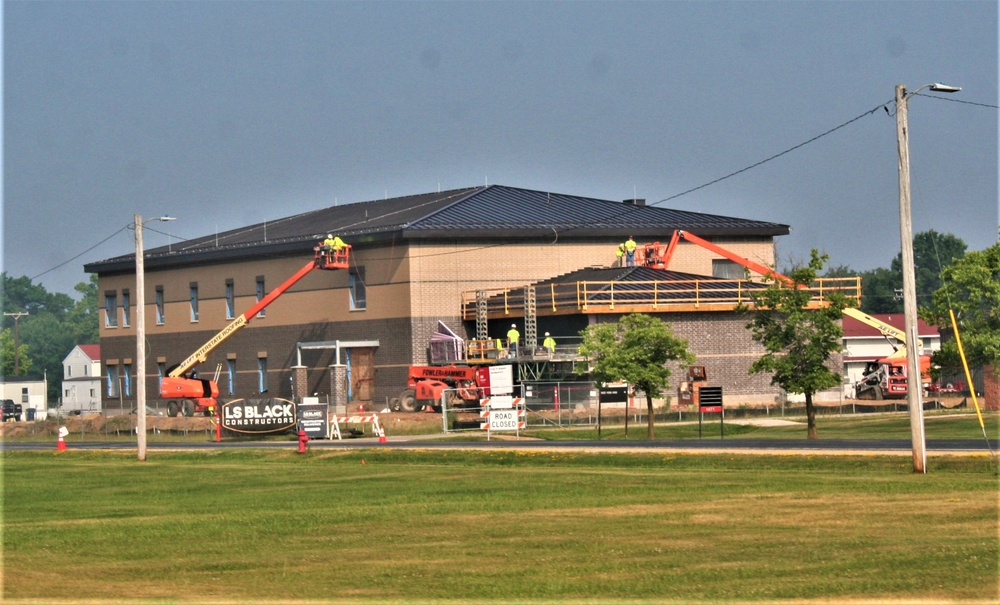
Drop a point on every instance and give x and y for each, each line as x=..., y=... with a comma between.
x=17, y=341
x=914, y=383
x=140, y=342
x=140, y=337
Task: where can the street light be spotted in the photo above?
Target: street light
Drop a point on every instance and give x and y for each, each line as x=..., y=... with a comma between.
x=913, y=378
x=140, y=335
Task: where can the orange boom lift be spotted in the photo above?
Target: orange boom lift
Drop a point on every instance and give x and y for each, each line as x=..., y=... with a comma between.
x=189, y=394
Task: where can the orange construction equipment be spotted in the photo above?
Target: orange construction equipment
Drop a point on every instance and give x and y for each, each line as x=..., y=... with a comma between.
x=189, y=394
x=659, y=258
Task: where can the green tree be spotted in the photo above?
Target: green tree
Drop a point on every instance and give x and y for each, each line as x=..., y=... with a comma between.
x=878, y=291
x=635, y=350
x=54, y=325
x=971, y=288
x=932, y=252
x=799, y=341
x=7, y=353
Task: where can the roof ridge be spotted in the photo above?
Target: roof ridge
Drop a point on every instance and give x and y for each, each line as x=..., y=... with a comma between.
x=467, y=196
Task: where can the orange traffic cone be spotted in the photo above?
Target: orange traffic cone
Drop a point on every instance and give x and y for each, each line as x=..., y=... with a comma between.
x=61, y=444
x=381, y=435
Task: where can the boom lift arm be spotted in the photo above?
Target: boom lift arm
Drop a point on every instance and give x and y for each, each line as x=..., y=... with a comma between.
x=749, y=264
x=889, y=332
x=201, y=354
x=177, y=384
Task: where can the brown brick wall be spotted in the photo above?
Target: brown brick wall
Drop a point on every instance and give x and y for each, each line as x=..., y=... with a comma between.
x=726, y=348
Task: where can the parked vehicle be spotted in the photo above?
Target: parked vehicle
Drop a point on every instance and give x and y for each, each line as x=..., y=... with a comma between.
x=11, y=410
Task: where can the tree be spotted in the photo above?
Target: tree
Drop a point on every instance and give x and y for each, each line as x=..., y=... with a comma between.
x=878, y=291
x=971, y=288
x=55, y=324
x=7, y=353
x=932, y=252
x=635, y=350
x=799, y=341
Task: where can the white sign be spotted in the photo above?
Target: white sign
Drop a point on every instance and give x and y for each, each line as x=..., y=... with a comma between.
x=501, y=380
x=501, y=402
x=503, y=420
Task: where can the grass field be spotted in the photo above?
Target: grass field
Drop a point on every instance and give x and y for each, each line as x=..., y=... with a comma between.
x=378, y=526
x=938, y=425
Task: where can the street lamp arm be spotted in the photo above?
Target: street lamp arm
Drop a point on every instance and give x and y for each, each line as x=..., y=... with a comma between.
x=935, y=87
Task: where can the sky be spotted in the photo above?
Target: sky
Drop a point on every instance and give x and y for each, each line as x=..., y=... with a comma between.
x=224, y=114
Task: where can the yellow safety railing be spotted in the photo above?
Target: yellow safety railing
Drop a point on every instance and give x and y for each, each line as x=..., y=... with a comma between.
x=647, y=296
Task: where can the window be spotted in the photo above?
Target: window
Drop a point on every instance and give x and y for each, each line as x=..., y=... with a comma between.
x=69, y=371
x=358, y=291
x=112, y=386
x=231, y=368
x=128, y=380
x=160, y=316
x=110, y=309
x=194, y=301
x=86, y=369
x=262, y=374
x=92, y=394
x=230, y=300
x=24, y=394
x=724, y=268
x=261, y=292
x=126, y=310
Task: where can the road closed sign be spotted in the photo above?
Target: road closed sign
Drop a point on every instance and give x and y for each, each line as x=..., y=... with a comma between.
x=503, y=420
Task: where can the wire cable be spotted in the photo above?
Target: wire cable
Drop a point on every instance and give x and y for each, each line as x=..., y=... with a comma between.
x=775, y=156
x=66, y=262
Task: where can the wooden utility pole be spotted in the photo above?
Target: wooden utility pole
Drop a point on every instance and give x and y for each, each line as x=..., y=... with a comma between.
x=140, y=342
x=17, y=341
x=913, y=380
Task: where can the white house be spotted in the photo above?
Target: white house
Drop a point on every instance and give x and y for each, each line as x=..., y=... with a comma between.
x=863, y=343
x=81, y=385
x=29, y=393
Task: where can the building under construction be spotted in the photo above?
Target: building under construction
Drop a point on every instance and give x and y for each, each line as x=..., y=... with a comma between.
x=429, y=271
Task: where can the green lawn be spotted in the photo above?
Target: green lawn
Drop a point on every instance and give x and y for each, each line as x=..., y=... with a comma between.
x=377, y=526
x=947, y=425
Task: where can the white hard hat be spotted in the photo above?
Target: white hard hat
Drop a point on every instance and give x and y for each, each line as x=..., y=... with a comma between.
x=513, y=325
x=546, y=333
x=329, y=235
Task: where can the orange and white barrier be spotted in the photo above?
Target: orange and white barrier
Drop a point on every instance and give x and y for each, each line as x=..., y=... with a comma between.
x=372, y=419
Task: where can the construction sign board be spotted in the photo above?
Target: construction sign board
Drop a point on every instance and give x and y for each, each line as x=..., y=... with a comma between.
x=501, y=380
x=314, y=418
x=503, y=420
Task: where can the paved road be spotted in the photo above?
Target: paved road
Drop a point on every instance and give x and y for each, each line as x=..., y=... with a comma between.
x=762, y=446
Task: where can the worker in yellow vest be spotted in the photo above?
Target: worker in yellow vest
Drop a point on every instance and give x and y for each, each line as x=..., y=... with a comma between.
x=512, y=337
x=549, y=344
x=629, y=246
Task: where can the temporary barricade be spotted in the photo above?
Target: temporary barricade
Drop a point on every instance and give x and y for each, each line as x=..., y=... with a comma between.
x=503, y=414
x=372, y=419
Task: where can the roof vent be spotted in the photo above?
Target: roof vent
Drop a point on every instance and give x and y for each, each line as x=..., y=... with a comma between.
x=636, y=201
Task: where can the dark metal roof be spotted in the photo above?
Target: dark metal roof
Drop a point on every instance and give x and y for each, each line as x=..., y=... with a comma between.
x=478, y=213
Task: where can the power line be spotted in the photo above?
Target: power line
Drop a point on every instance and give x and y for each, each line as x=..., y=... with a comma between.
x=775, y=156
x=68, y=261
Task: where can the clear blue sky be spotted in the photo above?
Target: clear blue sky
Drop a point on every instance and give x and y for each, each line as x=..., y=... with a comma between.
x=223, y=114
